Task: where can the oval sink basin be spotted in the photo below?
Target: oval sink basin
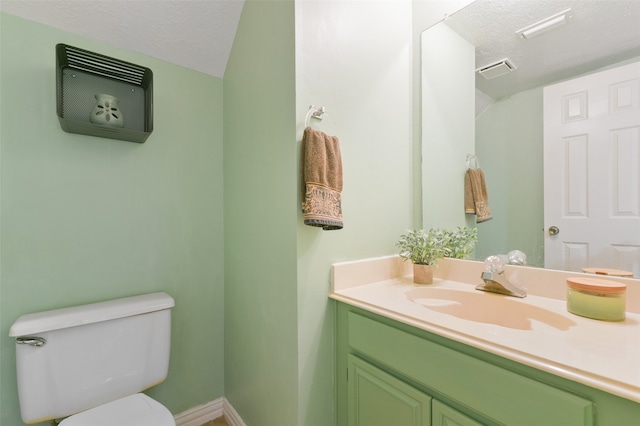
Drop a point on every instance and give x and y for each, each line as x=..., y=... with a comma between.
x=487, y=308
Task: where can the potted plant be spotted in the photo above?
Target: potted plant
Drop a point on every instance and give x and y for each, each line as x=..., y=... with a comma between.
x=461, y=242
x=423, y=249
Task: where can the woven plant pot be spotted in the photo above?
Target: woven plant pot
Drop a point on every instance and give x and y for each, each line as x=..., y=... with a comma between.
x=422, y=274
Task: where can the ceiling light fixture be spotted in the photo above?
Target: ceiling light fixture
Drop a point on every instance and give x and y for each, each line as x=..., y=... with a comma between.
x=545, y=25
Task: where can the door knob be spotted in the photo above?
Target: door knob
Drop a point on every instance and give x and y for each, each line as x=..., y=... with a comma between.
x=554, y=230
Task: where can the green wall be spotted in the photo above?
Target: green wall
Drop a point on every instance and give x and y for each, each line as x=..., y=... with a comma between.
x=85, y=219
x=362, y=76
x=279, y=322
x=509, y=145
x=260, y=178
x=448, y=133
x=115, y=218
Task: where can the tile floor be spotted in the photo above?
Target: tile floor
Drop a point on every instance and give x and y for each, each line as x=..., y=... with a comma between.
x=220, y=421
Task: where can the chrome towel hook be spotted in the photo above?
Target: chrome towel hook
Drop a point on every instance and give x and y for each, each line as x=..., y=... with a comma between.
x=315, y=112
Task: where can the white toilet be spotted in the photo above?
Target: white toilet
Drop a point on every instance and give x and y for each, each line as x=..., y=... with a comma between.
x=91, y=362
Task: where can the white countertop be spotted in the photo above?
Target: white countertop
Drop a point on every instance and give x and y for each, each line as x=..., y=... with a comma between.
x=600, y=354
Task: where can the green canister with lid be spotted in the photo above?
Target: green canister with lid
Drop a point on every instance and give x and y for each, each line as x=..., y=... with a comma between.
x=595, y=298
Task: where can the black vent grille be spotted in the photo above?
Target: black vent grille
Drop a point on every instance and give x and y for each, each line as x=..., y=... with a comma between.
x=102, y=65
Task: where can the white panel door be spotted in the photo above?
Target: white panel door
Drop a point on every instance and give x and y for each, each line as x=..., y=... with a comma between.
x=592, y=171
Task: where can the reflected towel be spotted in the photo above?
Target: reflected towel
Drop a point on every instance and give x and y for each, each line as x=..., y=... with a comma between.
x=322, y=180
x=476, y=199
x=469, y=206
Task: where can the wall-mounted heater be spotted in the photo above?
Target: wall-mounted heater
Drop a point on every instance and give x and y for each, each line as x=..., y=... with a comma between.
x=83, y=76
x=496, y=69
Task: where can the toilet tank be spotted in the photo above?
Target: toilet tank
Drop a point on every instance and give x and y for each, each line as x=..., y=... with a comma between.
x=92, y=354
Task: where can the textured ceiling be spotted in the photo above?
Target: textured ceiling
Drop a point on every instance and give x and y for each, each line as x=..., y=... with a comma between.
x=598, y=33
x=196, y=34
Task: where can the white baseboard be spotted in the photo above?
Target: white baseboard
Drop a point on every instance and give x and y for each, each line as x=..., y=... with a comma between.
x=201, y=414
x=232, y=416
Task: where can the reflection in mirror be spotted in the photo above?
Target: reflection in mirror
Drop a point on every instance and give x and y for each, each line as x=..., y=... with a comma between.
x=500, y=120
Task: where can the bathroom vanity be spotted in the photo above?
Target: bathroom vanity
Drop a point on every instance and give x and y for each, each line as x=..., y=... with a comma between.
x=446, y=354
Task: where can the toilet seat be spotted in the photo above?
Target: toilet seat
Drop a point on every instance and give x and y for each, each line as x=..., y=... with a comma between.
x=134, y=410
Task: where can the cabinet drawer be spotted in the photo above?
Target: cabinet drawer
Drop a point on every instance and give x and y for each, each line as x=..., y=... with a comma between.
x=501, y=395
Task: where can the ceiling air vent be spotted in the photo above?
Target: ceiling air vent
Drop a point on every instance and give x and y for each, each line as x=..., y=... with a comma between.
x=496, y=69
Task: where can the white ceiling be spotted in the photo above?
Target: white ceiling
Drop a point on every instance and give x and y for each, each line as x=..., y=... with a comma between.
x=598, y=33
x=199, y=34
x=196, y=34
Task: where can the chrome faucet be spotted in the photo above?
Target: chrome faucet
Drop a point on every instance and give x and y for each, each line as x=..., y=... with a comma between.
x=495, y=281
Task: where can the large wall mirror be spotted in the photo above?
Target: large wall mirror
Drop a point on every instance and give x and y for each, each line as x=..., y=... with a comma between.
x=501, y=121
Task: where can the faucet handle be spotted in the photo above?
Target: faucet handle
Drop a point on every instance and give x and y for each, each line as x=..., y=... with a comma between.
x=516, y=257
x=494, y=264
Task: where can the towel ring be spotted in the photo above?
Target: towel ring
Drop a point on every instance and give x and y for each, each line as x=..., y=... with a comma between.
x=315, y=112
x=470, y=158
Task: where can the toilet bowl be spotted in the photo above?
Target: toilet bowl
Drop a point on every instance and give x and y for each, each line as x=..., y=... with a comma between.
x=89, y=364
x=134, y=410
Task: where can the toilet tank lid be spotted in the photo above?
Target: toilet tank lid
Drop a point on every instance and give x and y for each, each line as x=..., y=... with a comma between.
x=56, y=319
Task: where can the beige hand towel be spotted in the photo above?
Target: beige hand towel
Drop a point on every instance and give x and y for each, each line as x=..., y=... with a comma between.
x=322, y=180
x=476, y=199
x=469, y=206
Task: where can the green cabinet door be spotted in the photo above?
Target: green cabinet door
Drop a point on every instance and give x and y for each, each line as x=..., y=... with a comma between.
x=379, y=399
x=443, y=415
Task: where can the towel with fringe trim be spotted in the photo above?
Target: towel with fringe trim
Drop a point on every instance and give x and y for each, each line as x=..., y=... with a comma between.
x=321, y=180
x=476, y=200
